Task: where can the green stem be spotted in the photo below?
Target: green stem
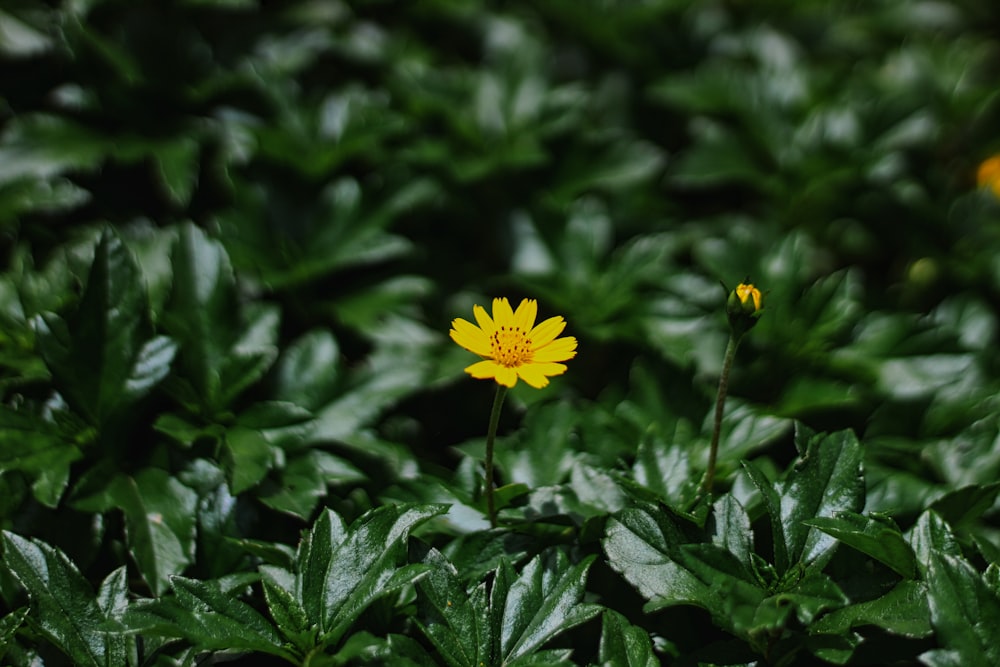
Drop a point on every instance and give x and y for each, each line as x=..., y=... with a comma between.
x=491, y=435
x=720, y=403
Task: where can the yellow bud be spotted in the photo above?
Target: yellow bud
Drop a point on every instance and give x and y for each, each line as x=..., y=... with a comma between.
x=744, y=307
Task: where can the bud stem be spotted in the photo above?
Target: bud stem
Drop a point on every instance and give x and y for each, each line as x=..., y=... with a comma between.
x=720, y=402
x=490, y=437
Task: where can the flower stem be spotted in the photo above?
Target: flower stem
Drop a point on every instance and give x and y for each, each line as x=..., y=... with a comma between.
x=720, y=403
x=490, y=437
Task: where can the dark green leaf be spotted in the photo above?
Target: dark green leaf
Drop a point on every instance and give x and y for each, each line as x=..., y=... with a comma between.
x=902, y=611
x=342, y=571
x=304, y=480
x=623, y=644
x=965, y=610
x=63, y=604
x=642, y=545
x=826, y=480
x=160, y=520
x=307, y=371
x=876, y=536
x=217, y=619
x=102, y=356
x=542, y=602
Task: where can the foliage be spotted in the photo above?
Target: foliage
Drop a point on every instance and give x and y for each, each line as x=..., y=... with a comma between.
x=234, y=234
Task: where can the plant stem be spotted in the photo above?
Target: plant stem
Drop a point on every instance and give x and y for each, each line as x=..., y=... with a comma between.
x=720, y=403
x=490, y=437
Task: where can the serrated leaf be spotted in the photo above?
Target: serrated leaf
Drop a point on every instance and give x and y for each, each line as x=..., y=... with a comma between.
x=304, y=480
x=101, y=356
x=826, y=480
x=307, y=371
x=508, y=626
x=217, y=619
x=542, y=602
x=64, y=606
x=623, y=644
x=879, y=538
x=247, y=457
x=341, y=571
x=931, y=535
x=9, y=625
x=965, y=610
x=641, y=544
x=455, y=622
x=160, y=522
x=112, y=596
x=221, y=354
x=902, y=611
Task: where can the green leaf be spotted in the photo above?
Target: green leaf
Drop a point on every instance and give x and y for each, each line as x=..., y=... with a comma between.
x=877, y=536
x=509, y=625
x=901, y=611
x=307, y=371
x=542, y=602
x=63, y=603
x=931, y=536
x=247, y=456
x=826, y=480
x=222, y=351
x=341, y=571
x=455, y=621
x=963, y=506
x=217, y=619
x=304, y=480
x=160, y=519
x=39, y=447
x=9, y=625
x=623, y=644
x=101, y=355
x=288, y=614
x=965, y=610
x=642, y=545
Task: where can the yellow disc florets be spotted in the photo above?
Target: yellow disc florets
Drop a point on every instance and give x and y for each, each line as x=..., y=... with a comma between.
x=510, y=346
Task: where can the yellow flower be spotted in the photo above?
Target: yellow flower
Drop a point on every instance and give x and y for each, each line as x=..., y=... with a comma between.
x=988, y=174
x=512, y=346
x=744, y=307
x=747, y=292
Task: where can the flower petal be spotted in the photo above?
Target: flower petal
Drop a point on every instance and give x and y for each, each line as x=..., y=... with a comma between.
x=524, y=316
x=470, y=337
x=503, y=316
x=546, y=332
x=560, y=349
x=485, y=323
x=535, y=374
x=506, y=376
x=489, y=369
x=483, y=370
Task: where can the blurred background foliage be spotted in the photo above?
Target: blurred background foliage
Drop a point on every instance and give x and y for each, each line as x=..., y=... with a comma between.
x=234, y=234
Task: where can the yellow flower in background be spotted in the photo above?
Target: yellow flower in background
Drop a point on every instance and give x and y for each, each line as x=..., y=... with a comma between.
x=512, y=346
x=988, y=174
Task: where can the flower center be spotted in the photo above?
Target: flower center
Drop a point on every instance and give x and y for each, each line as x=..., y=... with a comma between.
x=510, y=346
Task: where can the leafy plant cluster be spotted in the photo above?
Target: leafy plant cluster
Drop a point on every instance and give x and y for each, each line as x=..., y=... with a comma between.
x=233, y=428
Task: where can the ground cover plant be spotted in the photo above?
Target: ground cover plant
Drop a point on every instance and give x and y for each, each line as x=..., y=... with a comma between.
x=465, y=333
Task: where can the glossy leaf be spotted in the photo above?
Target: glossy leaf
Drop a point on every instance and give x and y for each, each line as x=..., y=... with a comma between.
x=965, y=610
x=102, y=355
x=63, y=603
x=873, y=535
x=160, y=523
x=342, y=570
x=509, y=622
x=623, y=644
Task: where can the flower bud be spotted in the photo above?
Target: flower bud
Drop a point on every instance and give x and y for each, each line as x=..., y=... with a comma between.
x=744, y=307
